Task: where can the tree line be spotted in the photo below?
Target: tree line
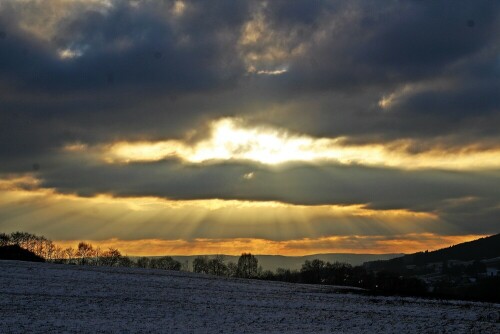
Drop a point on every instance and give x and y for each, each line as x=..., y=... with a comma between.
x=312, y=272
x=83, y=254
x=86, y=254
x=38, y=245
x=247, y=266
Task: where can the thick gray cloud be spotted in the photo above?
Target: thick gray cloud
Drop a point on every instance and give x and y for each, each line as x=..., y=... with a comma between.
x=374, y=44
x=135, y=64
x=146, y=72
x=445, y=56
x=441, y=192
x=126, y=46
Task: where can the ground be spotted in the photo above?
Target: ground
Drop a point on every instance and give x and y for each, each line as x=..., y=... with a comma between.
x=41, y=297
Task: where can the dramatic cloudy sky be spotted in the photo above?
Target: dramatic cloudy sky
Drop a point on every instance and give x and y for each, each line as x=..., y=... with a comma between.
x=288, y=127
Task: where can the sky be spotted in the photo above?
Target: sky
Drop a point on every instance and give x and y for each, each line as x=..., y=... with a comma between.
x=272, y=127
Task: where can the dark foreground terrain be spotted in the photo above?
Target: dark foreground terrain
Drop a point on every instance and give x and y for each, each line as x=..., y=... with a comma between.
x=41, y=297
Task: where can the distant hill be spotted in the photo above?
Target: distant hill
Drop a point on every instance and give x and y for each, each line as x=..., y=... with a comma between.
x=15, y=252
x=480, y=249
x=273, y=262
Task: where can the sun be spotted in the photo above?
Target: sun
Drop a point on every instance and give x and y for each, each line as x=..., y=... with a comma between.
x=231, y=141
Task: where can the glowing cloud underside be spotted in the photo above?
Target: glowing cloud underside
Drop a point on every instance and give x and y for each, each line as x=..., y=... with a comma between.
x=152, y=226
x=345, y=244
x=230, y=140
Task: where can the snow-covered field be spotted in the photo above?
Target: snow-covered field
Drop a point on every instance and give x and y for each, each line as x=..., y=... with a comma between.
x=52, y=298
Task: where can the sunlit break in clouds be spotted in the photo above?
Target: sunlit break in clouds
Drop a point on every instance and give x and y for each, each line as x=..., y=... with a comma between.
x=228, y=141
x=275, y=127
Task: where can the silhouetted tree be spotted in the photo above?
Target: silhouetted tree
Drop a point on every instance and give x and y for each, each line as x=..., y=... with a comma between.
x=20, y=239
x=338, y=273
x=247, y=266
x=200, y=265
x=216, y=266
x=84, y=252
x=70, y=254
x=312, y=271
x=39, y=245
x=168, y=263
x=59, y=254
x=110, y=258
x=48, y=250
x=4, y=239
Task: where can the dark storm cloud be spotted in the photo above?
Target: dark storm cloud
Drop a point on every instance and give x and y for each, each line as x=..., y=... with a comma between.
x=135, y=65
x=367, y=51
x=145, y=72
x=126, y=46
x=471, y=91
x=374, y=44
x=355, y=53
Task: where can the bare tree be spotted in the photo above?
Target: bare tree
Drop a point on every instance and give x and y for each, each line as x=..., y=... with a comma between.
x=49, y=250
x=84, y=252
x=110, y=258
x=59, y=254
x=69, y=254
x=19, y=238
x=39, y=245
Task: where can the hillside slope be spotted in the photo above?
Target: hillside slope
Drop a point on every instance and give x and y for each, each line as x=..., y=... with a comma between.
x=480, y=249
x=15, y=252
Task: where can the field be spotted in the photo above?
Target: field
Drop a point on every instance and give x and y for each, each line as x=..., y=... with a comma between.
x=38, y=297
